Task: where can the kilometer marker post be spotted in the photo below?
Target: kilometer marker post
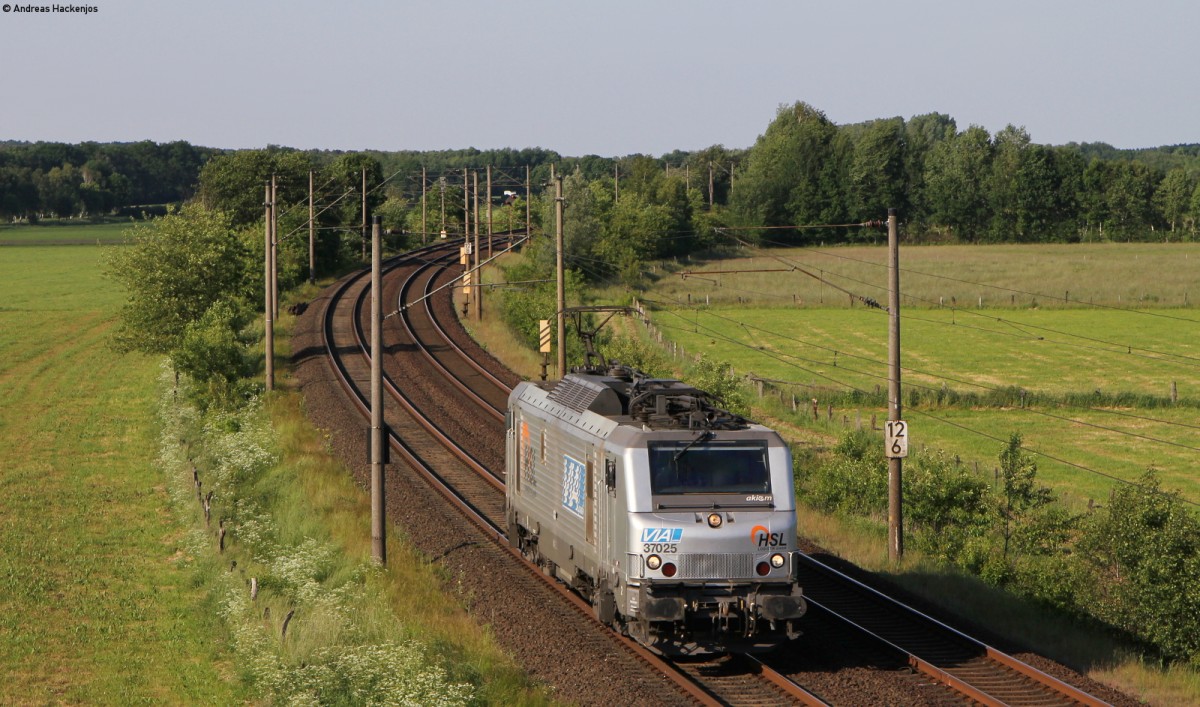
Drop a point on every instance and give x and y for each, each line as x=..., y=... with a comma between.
x=895, y=462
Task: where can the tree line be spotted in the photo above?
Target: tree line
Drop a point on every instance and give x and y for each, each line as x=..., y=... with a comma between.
x=963, y=185
x=50, y=179
x=948, y=184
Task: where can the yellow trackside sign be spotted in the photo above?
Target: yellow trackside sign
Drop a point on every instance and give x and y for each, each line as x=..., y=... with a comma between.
x=544, y=335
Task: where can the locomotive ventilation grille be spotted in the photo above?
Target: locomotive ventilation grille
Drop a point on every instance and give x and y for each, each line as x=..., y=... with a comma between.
x=575, y=394
x=714, y=566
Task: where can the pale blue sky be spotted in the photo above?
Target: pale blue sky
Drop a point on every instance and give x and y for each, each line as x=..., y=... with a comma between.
x=609, y=78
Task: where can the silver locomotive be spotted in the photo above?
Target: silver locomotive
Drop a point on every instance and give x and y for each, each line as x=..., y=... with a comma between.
x=674, y=518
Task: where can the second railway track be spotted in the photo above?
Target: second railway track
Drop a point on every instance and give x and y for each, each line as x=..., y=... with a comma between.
x=446, y=411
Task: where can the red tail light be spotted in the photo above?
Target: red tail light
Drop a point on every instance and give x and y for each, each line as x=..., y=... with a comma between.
x=668, y=569
x=763, y=569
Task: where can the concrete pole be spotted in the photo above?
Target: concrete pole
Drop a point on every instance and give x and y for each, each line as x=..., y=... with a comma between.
x=477, y=291
x=364, y=214
x=466, y=234
x=274, y=247
x=268, y=314
x=489, y=210
x=560, y=273
x=895, y=464
x=312, y=233
x=424, y=220
x=528, y=203
x=378, y=517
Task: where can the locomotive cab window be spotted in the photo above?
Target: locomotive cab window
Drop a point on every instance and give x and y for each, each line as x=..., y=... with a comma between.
x=704, y=466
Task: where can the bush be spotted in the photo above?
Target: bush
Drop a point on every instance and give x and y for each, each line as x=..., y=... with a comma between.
x=854, y=482
x=947, y=507
x=714, y=378
x=1141, y=557
x=645, y=357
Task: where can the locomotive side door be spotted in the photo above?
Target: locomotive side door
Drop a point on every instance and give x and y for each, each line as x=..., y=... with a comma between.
x=609, y=517
x=589, y=500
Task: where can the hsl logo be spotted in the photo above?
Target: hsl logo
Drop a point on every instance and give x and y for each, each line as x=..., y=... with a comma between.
x=662, y=535
x=765, y=538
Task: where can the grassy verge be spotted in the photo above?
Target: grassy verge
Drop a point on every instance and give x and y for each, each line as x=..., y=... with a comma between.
x=494, y=336
x=93, y=606
x=312, y=618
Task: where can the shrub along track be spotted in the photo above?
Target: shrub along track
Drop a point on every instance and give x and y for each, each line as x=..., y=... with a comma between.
x=555, y=644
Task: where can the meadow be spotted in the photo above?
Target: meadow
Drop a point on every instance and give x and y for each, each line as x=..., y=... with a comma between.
x=112, y=587
x=92, y=606
x=1099, y=336
x=1158, y=275
x=65, y=232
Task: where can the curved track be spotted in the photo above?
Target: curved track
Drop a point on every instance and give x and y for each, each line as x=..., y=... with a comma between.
x=445, y=412
x=970, y=667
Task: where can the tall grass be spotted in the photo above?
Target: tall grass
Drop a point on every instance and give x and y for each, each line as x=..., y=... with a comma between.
x=302, y=579
x=294, y=520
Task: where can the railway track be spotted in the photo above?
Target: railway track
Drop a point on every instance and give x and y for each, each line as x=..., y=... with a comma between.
x=975, y=670
x=453, y=440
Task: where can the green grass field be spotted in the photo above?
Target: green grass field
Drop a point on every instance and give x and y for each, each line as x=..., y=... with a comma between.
x=92, y=607
x=999, y=276
x=104, y=597
x=1058, y=348
x=65, y=233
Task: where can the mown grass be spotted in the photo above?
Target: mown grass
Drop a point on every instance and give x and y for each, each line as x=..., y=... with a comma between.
x=1059, y=354
x=66, y=232
x=1001, y=276
x=92, y=606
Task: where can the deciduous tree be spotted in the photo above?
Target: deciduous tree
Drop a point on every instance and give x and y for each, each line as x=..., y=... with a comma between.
x=174, y=269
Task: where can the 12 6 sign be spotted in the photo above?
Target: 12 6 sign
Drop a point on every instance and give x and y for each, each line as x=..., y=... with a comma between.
x=895, y=439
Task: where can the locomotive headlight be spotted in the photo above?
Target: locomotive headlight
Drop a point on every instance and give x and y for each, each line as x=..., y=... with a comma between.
x=654, y=562
x=777, y=560
x=715, y=520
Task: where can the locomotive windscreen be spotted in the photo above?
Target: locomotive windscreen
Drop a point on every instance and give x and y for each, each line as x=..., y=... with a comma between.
x=699, y=466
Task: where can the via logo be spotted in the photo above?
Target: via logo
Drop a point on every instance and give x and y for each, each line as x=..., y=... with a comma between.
x=765, y=538
x=662, y=535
